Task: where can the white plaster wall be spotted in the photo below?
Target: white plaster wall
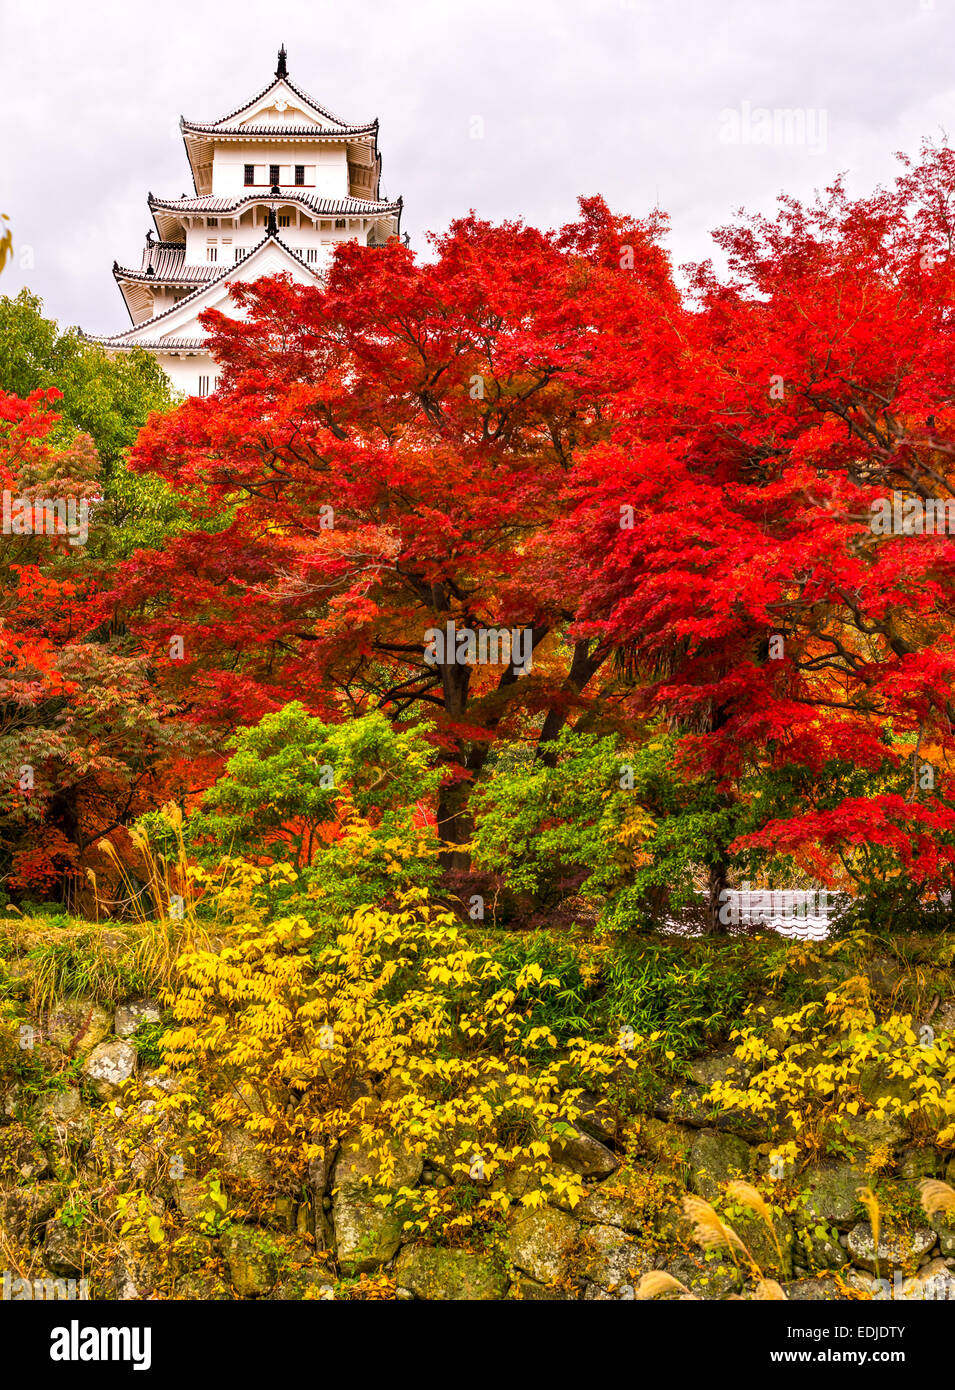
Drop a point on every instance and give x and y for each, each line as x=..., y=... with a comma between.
x=329, y=162
x=301, y=234
x=184, y=372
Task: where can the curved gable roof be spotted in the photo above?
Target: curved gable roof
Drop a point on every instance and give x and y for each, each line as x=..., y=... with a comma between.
x=281, y=81
x=132, y=336
x=256, y=121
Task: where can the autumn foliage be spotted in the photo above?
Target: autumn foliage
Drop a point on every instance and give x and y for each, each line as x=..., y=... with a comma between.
x=669, y=493
x=88, y=740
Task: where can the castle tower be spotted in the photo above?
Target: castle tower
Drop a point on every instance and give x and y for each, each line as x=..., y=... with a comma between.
x=277, y=183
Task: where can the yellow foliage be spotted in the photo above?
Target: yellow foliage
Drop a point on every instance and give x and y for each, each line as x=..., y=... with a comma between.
x=808, y=1072
x=396, y=1037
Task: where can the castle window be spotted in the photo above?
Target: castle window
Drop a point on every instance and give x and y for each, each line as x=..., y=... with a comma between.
x=203, y=386
x=285, y=219
x=312, y=253
x=273, y=174
x=212, y=221
x=249, y=175
x=212, y=251
x=300, y=174
x=340, y=222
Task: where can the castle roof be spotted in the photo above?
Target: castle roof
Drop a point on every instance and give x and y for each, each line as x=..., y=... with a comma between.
x=282, y=78
x=280, y=112
x=164, y=209
x=116, y=344
x=275, y=130
x=164, y=263
x=192, y=304
x=163, y=267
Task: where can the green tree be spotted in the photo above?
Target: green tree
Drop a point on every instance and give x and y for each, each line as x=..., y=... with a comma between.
x=569, y=823
x=340, y=802
x=619, y=824
x=108, y=397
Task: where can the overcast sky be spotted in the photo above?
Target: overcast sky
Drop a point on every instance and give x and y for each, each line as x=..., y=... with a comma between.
x=627, y=98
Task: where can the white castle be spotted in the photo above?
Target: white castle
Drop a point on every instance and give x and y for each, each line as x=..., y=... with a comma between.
x=277, y=183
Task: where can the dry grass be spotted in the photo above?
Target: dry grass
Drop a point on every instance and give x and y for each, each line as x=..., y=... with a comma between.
x=658, y=1282
x=747, y=1196
x=709, y=1230
x=938, y=1199
x=108, y=963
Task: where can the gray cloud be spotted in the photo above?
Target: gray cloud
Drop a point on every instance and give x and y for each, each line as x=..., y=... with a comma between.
x=620, y=97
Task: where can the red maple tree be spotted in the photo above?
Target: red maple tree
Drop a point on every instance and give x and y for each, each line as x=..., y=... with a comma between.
x=765, y=613
x=390, y=454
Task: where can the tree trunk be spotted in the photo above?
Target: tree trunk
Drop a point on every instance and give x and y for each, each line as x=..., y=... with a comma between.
x=716, y=878
x=454, y=825
x=582, y=667
x=716, y=884
x=63, y=813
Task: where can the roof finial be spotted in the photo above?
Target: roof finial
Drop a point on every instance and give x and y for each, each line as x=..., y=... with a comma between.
x=282, y=70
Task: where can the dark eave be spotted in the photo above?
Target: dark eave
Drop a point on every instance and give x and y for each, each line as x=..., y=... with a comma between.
x=325, y=207
x=170, y=345
x=258, y=131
